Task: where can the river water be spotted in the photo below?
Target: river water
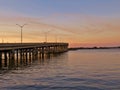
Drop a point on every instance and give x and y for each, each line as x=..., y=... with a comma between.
x=73, y=70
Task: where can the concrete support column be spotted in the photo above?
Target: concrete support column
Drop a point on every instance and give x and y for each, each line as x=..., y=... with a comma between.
x=23, y=54
x=17, y=52
x=5, y=57
x=30, y=55
x=39, y=51
x=36, y=53
x=21, y=57
x=48, y=49
x=26, y=56
x=42, y=52
x=16, y=57
x=12, y=55
x=11, y=59
x=0, y=60
x=32, y=52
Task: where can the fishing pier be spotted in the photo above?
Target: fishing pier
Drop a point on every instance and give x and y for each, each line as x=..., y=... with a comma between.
x=19, y=53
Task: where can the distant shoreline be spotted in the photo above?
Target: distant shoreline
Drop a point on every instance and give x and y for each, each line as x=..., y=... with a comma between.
x=78, y=48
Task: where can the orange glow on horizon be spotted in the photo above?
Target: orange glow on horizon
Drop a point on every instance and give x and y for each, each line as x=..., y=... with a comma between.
x=92, y=31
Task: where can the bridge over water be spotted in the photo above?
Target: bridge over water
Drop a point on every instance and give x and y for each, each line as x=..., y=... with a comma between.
x=11, y=53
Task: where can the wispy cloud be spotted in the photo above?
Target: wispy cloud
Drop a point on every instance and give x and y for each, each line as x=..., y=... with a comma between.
x=75, y=28
x=79, y=23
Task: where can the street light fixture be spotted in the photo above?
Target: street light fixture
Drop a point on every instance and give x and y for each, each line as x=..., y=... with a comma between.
x=21, y=26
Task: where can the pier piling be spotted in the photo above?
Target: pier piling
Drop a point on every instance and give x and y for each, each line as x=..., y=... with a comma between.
x=13, y=53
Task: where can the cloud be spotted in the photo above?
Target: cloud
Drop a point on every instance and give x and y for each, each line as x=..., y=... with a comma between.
x=80, y=23
x=91, y=30
x=73, y=28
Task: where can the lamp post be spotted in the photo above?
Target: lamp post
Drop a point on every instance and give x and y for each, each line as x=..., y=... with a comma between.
x=21, y=26
x=46, y=33
x=56, y=37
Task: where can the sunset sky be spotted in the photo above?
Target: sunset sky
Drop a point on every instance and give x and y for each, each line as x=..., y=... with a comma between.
x=78, y=22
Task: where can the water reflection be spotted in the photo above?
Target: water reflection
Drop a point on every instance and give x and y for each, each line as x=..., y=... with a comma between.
x=74, y=70
x=26, y=60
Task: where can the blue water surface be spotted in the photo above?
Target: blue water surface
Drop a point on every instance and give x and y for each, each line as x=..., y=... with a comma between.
x=73, y=70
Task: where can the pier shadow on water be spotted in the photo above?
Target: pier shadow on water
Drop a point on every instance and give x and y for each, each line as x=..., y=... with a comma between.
x=24, y=61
